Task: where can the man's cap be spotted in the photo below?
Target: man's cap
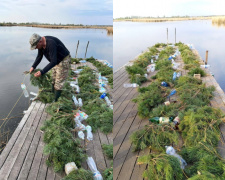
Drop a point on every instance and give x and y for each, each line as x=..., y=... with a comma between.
x=34, y=39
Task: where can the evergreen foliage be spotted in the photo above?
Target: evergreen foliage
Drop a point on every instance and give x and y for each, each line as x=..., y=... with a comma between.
x=79, y=174
x=135, y=69
x=44, y=81
x=197, y=70
x=108, y=173
x=149, y=99
x=154, y=136
x=61, y=147
x=108, y=150
x=161, y=167
x=201, y=125
x=104, y=69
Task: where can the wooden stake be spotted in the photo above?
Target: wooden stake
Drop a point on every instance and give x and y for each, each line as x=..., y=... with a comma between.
x=175, y=35
x=77, y=49
x=206, y=57
x=86, y=50
x=167, y=36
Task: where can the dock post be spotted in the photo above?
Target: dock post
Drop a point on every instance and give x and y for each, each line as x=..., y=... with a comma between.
x=175, y=35
x=77, y=49
x=206, y=57
x=86, y=50
x=167, y=36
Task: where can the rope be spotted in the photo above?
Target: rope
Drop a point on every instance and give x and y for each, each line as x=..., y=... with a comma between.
x=7, y=119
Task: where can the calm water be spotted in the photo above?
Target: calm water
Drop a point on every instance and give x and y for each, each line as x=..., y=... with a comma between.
x=130, y=39
x=16, y=57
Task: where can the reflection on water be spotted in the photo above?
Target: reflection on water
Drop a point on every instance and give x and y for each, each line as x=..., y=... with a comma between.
x=16, y=57
x=130, y=39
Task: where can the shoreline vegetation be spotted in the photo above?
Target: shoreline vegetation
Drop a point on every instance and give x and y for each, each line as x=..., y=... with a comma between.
x=60, y=26
x=175, y=18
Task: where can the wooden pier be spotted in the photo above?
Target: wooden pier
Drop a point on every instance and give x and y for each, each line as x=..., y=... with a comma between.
x=23, y=157
x=126, y=121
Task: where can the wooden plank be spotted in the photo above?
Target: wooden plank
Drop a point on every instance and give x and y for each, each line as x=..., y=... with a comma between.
x=33, y=173
x=110, y=138
x=15, y=135
x=28, y=150
x=104, y=140
x=43, y=169
x=6, y=169
x=126, y=104
x=100, y=162
x=50, y=174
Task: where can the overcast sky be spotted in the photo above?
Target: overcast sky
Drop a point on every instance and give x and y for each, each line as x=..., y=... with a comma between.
x=87, y=12
x=155, y=8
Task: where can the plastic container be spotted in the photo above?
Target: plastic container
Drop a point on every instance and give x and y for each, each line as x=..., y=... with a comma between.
x=80, y=104
x=24, y=88
x=89, y=133
x=205, y=66
x=172, y=92
x=164, y=84
x=127, y=85
x=108, y=102
x=103, y=96
x=69, y=167
x=102, y=90
x=75, y=101
x=174, y=75
x=171, y=151
x=92, y=166
x=81, y=134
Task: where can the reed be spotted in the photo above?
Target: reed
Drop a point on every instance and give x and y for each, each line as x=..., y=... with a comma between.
x=109, y=30
x=218, y=21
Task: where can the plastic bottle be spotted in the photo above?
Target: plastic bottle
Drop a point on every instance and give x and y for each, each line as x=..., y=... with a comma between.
x=89, y=133
x=176, y=122
x=171, y=151
x=174, y=75
x=75, y=101
x=178, y=74
x=80, y=104
x=81, y=134
x=103, y=96
x=24, y=88
x=164, y=84
x=172, y=92
x=111, y=106
x=205, y=66
x=161, y=120
x=108, y=102
x=92, y=166
x=126, y=85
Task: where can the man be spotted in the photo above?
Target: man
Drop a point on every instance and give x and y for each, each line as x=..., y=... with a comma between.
x=57, y=55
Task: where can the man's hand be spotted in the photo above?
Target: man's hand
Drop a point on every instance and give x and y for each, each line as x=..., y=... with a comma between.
x=37, y=74
x=31, y=69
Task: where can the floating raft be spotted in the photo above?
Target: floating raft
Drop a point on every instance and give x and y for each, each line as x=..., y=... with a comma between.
x=126, y=121
x=23, y=157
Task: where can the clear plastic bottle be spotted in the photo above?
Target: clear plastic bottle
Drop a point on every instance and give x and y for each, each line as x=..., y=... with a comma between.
x=89, y=133
x=127, y=85
x=75, y=101
x=81, y=134
x=24, y=88
x=80, y=103
x=108, y=102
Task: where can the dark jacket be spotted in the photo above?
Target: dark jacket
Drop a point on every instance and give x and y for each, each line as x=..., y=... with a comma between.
x=54, y=52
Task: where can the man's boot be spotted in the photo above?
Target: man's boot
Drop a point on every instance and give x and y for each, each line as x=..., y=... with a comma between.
x=57, y=94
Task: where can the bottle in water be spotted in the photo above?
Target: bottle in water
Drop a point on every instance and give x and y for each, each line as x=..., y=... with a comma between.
x=24, y=88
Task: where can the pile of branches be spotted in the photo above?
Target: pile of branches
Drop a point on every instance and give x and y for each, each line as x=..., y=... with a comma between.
x=99, y=115
x=199, y=125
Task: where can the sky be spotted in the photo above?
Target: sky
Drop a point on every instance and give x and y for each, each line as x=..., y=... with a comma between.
x=168, y=8
x=86, y=12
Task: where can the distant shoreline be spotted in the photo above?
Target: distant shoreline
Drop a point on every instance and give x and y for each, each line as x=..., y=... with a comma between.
x=143, y=19
x=60, y=26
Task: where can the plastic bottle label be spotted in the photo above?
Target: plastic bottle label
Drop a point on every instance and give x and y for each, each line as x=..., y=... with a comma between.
x=164, y=120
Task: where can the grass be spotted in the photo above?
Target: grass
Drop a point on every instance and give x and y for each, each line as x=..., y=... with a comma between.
x=218, y=21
